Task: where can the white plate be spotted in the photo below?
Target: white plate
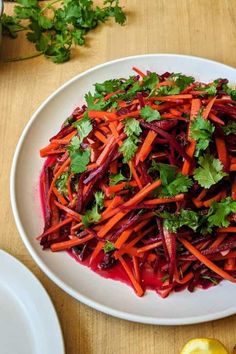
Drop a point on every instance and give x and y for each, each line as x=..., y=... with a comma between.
x=109, y=296
x=28, y=321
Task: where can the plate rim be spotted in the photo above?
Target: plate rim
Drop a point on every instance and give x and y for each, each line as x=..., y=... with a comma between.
x=68, y=289
x=41, y=291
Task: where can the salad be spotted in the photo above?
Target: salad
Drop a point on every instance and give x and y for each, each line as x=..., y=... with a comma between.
x=139, y=184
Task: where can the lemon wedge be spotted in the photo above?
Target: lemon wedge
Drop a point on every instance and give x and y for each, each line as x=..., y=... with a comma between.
x=204, y=346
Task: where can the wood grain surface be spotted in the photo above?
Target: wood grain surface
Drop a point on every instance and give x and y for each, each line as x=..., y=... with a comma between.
x=205, y=28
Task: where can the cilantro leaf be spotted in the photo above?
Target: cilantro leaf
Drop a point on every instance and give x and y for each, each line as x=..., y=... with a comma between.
x=172, y=182
x=229, y=128
x=99, y=106
x=218, y=213
x=114, y=179
x=79, y=160
x=61, y=183
x=201, y=131
x=93, y=215
x=182, y=81
x=172, y=222
x=108, y=247
x=150, y=81
x=132, y=127
x=167, y=91
x=230, y=91
x=180, y=184
x=84, y=127
x=129, y=148
x=149, y=114
x=130, y=145
x=210, y=171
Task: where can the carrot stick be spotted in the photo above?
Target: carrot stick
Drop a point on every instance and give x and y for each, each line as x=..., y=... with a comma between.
x=47, y=149
x=59, y=172
x=123, y=238
x=100, y=136
x=69, y=211
x=146, y=146
x=229, y=264
x=233, y=190
x=232, y=167
x=65, y=140
x=118, y=187
x=134, y=282
x=109, y=95
x=135, y=175
x=102, y=115
x=117, y=200
x=55, y=227
x=216, y=119
x=138, y=71
x=165, y=83
x=227, y=229
x=96, y=251
x=54, y=152
x=216, y=198
x=59, y=196
x=65, y=245
x=222, y=152
x=128, y=247
x=203, y=259
x=208, y=108
x=185, y=279
x=170, y=98
x=149, y=247
x=102, y=157
x=220, y=238
x=166, y=200
x=109, y=225
x=136, y=269
x=195, y=107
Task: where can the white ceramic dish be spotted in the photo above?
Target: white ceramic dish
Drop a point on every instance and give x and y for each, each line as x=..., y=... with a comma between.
x=109, y=296
x=28, y=321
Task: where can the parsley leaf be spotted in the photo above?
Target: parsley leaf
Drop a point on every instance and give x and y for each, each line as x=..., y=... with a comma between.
x=172, y=222
x=149, y=114
x=201, y=131
x=182, y=81
x=108, y=247
x=210, y=171
x=229, y=128
x=93, y=215
x=114, y=179
x=61, y=183
x=84, y=127
x=130, y=145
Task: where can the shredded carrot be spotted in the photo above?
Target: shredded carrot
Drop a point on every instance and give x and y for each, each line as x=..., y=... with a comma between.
x=135, y=175
x=146, y=147
x=65, y=245
x=55, y=227
x=138, y=71
x=222, y=152
x=206, y=261
x=134, y=282
x=59, y=172
x=69, y=211
x=136, y=269
x=59, y=196
x=166, y=200
x=216, y=119
x=208, y=108
x=149, y=247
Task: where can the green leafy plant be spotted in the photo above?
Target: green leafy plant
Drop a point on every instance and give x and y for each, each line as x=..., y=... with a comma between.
x=55, y=29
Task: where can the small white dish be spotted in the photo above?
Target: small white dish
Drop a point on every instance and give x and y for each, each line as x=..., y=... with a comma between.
x=28, y=321
x=106, y=295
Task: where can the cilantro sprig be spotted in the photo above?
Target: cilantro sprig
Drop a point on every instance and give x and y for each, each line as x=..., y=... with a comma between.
x=201, y=131
x=93, y=215
x=130, y=145
x=80, y=157
x=55, y=29
x=209, y=172
x=229, y=128
x=173, y=183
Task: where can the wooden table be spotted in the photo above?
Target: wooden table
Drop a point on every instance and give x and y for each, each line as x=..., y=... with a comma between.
x=204, y=28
